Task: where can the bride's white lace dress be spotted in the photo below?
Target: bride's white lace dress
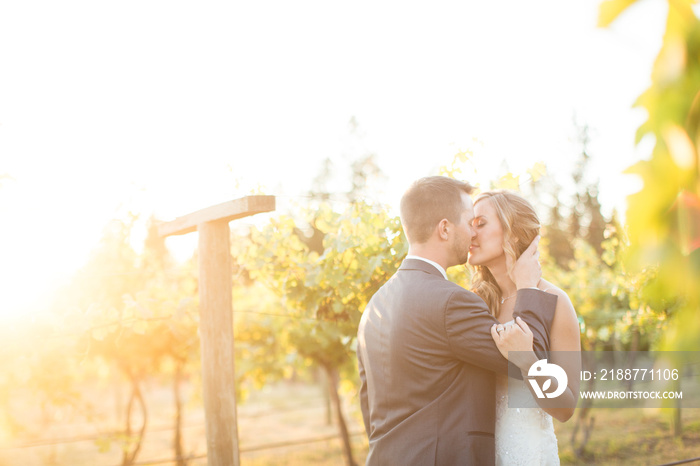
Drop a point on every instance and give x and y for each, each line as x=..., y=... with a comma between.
x=524, y=436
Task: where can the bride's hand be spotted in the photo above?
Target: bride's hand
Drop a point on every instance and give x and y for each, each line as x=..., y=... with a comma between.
x=516, y=338
x=526, y=271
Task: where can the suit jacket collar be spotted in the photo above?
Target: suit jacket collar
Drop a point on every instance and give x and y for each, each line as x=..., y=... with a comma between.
x=417, y=264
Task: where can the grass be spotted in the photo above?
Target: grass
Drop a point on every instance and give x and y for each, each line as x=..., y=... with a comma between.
x=620, y=437
x=329, y=452
x=633, y=436
x=277, y=423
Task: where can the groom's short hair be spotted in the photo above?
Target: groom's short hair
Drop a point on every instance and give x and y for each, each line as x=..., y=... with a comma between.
x=428, y=201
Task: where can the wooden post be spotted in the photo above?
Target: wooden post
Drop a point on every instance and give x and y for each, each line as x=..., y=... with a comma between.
x=216, y=318
x=216, y=333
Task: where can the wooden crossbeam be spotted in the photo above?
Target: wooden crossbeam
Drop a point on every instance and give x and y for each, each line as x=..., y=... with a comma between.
x=226, y=211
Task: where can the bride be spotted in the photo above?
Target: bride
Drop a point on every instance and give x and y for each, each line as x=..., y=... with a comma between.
x=504, y=225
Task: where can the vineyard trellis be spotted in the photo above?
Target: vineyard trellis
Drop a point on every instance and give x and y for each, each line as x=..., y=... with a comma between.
x=216, y=317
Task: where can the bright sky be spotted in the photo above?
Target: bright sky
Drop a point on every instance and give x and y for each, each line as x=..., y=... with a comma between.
x=171, y=106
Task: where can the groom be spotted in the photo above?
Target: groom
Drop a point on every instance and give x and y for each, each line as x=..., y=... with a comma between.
x=427, y=359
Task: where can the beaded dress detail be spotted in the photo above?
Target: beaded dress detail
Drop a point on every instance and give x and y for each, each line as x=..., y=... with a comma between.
x=524, y=435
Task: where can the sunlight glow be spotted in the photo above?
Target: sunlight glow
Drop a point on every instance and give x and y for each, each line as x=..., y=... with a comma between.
x=163, y=108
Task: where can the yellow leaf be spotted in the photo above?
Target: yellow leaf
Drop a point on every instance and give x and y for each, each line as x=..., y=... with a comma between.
x=346, y=387
x=508, y=181
x=611, y=9
x=686, y=225
x=680, y=146
x=537, y=171
x=671, y=61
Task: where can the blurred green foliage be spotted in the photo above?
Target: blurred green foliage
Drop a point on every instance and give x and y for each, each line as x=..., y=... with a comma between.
x=663, y=218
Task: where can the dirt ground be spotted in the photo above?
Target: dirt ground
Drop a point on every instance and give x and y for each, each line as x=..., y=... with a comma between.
x=284, y=421
x=287, y=424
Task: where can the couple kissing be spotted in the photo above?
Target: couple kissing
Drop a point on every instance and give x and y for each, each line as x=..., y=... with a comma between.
x=432, y=355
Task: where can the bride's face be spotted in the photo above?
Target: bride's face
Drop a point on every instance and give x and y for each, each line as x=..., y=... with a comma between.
x=487, y=245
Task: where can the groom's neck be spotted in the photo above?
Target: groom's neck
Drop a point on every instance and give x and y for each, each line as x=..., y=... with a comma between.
x=431, y=252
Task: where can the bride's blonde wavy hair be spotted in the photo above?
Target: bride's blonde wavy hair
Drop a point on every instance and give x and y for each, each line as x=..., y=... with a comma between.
x=520, y=226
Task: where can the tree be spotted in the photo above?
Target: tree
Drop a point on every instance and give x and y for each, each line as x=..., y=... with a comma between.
x=365, y=176
x=113, y=332
x=325, y=294
x=169, y=297
x=138, y=317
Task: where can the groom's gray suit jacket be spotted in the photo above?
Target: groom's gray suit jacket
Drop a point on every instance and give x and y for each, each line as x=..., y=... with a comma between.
x=427, y=366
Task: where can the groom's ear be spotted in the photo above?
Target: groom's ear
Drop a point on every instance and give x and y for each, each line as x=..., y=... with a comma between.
x=443, y=229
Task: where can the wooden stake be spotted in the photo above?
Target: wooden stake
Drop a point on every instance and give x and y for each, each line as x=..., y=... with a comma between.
x=216, y=333
x=216, y=318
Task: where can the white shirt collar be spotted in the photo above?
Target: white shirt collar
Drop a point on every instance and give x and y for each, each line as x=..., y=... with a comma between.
x=434, y=264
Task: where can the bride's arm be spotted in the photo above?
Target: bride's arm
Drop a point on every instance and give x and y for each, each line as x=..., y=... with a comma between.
x=565, y=352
